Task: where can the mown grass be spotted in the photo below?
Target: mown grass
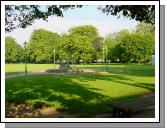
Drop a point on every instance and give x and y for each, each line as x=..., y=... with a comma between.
x=82, y=94
x=19, y=68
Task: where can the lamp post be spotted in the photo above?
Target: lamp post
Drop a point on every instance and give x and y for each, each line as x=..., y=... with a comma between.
x=54, y=58
x=103, y=55
x=25, y=57
x=106, y=51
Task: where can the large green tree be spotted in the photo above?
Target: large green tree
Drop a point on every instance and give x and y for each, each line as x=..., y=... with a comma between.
x=14, y=53
x=111, y=40
x=76, y=47
x=135, y=48
x=89, y=31
x=145, y=28
x=111, y=53
x=83, y=37
x=98, y=45
x=41, y=46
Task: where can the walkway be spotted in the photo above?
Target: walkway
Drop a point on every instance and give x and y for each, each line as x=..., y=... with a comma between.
x=29, y=73
x=42, y=72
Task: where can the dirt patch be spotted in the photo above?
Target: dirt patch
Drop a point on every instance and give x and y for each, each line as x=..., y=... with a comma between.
x=20, y=111
x=53, y=113
x=27, y=111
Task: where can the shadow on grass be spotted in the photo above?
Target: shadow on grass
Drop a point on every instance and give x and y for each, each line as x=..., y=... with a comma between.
x=63, y=93
x=149, y=86
x=45, y=91
x=128, y=69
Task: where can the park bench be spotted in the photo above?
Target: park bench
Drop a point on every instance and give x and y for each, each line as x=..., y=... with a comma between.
x=126, y=108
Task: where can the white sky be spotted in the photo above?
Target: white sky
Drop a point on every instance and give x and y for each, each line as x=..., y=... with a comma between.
x=83, y=16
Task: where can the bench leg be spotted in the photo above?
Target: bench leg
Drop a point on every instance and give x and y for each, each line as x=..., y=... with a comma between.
x=126, y=114
x=116, y=112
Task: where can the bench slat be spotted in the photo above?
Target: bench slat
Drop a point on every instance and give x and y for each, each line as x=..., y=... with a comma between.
x=128, y=106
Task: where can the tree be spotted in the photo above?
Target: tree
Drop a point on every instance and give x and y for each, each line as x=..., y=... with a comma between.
x=135, y=48
x=76, y=47
x=41, y=46
x=87, y=30
x=97, y=44
x=81, y=34
x=112, y=54
x=13, y=51
x=112, y=40
x=145, y=13
x=24, y=15
x=145, y=28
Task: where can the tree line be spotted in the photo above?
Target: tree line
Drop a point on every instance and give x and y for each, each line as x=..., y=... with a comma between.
x=83, y=44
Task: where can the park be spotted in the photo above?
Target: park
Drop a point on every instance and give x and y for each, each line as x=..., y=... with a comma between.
x=80, y=73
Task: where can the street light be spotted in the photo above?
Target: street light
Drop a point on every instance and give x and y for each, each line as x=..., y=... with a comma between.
x=25, y=57
x=106, y=47
x=105, y=51
x=103, y=55
x=54, y=58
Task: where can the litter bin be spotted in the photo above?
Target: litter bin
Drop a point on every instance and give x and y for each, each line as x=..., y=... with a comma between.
x=153, y=59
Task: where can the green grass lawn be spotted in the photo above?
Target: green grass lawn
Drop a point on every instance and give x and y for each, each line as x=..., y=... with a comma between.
x=18, y=68
x=84, y=94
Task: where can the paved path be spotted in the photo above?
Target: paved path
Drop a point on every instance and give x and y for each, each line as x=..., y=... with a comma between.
x=41, y=72
x=14, y=75
x=29, y=73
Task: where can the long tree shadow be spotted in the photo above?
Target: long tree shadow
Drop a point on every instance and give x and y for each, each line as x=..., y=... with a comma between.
x=71, y=96
x=148, y=86
x=107, y=77
x=128, y=69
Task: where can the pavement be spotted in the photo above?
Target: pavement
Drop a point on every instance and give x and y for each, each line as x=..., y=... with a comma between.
x=29, y=73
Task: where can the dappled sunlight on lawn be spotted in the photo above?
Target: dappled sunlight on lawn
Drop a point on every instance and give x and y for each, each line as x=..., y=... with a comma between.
x=84, y=94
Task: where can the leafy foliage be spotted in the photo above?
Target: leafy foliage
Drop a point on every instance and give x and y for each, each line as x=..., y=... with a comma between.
x=81, y=42
x=136, y=48
x=97, y=44
x=42, y=44
x=87, y=30
x=145, y=13
x=13, y=51
x=145, y=28
x=24, y=15
x=76, y=47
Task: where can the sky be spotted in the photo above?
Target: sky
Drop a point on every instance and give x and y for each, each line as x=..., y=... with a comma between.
x=87, y=15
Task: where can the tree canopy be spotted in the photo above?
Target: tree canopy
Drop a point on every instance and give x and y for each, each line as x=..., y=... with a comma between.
x=137, y=46
x=78, y=44
x=25, y=15
x=41, y=45
x=145, y=28
x=13, y=51
x=21, y=16
x=142, y=13
x=84, y=44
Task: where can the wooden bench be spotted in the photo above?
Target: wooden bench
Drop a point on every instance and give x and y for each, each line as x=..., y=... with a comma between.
x=125, y=108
